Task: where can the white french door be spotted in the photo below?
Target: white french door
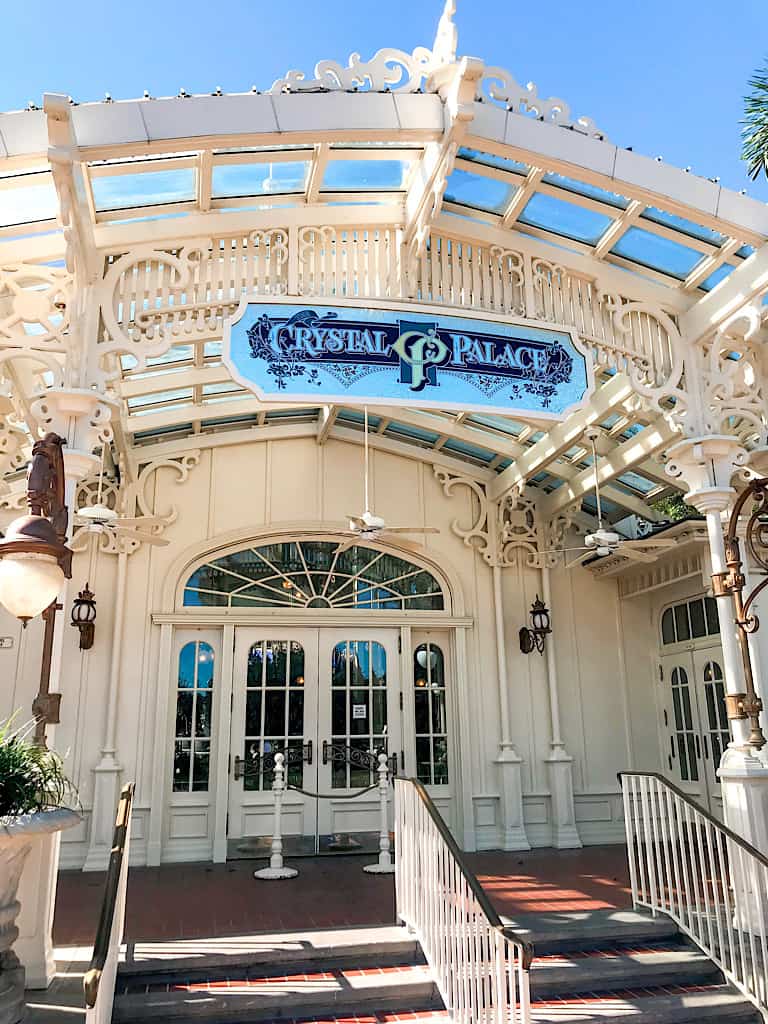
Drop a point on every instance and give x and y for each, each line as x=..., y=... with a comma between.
x=329, y=700
x=695, y=721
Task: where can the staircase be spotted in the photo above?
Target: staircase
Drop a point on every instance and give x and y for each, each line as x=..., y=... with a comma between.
x=599, y=967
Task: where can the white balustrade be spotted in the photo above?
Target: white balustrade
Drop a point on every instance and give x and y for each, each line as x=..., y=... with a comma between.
x=684, y=863
x=481, y=969
x=277, y=870
x=384, y=865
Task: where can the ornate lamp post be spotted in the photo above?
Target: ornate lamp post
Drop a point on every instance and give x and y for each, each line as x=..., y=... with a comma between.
x=35, y=561
x=732, y=583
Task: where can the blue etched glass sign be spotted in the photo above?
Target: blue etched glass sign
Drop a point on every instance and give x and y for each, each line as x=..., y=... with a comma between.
x=355, y=355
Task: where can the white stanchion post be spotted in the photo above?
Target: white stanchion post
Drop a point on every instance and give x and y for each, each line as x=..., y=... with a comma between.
x=384, y=865
x=276, y=869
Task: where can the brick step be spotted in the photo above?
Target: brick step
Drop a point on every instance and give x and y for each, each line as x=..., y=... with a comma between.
x=350, y=992
x=571, y=932
x=674, y=1004
x=621, y=968
x=370, y=946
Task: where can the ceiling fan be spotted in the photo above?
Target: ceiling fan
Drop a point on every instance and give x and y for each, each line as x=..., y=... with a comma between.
x=368, y=526
x=603, y=542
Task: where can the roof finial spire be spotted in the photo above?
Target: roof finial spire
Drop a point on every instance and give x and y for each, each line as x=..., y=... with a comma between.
x=447, y=37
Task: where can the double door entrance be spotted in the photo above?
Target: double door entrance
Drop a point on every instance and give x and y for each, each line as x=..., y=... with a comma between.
x=695, y=721
x=330, y=701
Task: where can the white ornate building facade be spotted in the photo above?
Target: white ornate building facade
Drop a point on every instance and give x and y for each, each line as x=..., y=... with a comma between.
x=234, y=615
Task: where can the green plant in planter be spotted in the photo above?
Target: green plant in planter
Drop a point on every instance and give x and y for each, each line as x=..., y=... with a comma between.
x=32, y=778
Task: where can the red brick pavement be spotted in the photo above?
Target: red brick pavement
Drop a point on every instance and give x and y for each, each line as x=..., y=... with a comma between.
x=204, y=900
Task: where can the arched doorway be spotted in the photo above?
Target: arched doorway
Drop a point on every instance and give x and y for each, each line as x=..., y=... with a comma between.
x=319, y=672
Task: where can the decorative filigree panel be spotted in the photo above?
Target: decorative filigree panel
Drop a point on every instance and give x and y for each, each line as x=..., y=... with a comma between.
x=34, y=307
x=389, y=70
x=352, y=262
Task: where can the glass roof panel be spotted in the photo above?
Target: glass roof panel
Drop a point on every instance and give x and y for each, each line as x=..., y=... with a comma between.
x=233, y=180
x=477, y=190
x=28, y=203
x=657, y=253
x=497, y=423
x=563, y=218
x=637, y=482
x=717, y=275
x=583, y=188
x=124, y=191
x=745, y=251
x=158, y=397
x=470, y=451
x=365, y=175
x=489, y=160
x=688, y=227
x=416, y=434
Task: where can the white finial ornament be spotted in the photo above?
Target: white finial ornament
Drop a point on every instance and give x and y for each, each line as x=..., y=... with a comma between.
x=447, y=37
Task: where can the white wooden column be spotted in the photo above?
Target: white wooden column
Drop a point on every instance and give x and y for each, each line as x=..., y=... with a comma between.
x=559, y=763
x=509, y=761
x=707, y=465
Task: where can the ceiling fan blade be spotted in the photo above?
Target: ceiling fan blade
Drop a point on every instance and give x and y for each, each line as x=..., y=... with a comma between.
x=411, y=529
x=357, y=520
x=145, y=538
x=586, y=552
x=346, y=545
x=561, y=551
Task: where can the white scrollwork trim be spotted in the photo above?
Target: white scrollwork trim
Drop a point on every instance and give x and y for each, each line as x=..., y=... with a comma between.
x=389, y=70
x=181, y=467
x=477, y=534
x=34, y=307
x=502, y=87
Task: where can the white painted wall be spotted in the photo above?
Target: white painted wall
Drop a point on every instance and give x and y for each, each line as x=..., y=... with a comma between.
x=607, y=706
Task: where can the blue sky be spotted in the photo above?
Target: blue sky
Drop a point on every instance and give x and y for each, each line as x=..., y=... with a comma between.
x=663, y=76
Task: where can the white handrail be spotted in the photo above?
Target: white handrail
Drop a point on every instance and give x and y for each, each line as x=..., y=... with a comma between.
x=686, y=864
x=481, y=968
x=99, y=980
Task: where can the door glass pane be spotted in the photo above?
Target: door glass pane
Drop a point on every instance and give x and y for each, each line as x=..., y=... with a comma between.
x=668, y=627
x=718, y=732
x=713, y=623
x=698, y=621
x=430, y=724
x=358, y=712
x=194, y=706
x=274, y=713
x=681, y=622
x=684, y=745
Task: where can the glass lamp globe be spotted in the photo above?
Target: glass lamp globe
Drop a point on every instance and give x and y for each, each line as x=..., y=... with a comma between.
x=540, y=616
x=29, y=582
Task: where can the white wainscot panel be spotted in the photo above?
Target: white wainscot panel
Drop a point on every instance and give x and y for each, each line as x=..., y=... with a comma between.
x=487, y=825
x=600, y=818
x=538, y=827
x=189, y=823
x=259, y=821
x=362, y=816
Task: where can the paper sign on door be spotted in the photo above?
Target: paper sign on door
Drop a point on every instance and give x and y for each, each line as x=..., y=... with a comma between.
x=358, y=711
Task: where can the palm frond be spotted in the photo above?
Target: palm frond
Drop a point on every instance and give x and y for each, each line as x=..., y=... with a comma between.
x=754, y=131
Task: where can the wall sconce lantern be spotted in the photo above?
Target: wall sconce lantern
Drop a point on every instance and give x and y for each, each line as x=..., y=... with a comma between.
x=533, y=638
x=84, y=617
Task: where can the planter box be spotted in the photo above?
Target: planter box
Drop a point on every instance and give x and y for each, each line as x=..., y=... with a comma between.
x=16, y=838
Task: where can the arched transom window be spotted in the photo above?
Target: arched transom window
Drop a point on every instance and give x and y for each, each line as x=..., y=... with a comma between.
x=313, y=574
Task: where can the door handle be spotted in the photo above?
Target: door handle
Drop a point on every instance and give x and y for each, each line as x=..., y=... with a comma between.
x=706, y=748
x=308, y=752
x=325, y=751
x=238, y=773
x=698, y=747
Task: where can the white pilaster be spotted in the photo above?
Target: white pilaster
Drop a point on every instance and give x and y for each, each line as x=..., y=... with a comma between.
x=509, y=761
x=565, y=835
x=107, y=772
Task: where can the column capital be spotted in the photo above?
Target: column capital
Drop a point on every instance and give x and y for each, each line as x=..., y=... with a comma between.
x=706, y=465
x=80, y=415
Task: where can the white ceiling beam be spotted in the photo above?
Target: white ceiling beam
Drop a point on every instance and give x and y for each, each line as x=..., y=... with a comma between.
x=702, y=271
x=316, y=172
x=747, y=282
x=520, y=198
x=615, y=230
x=563, y=435
x=325, y=423
x=624, y=457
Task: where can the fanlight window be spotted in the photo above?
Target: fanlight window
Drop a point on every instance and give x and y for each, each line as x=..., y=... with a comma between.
x=313, y=574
